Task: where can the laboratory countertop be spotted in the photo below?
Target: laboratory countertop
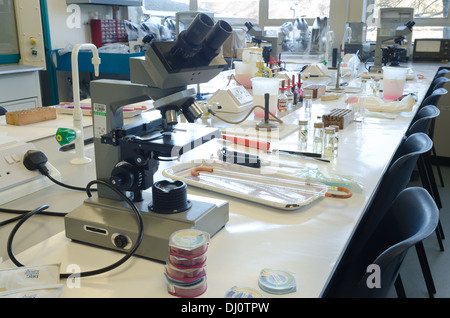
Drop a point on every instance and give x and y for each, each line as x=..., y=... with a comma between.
x=307, y=242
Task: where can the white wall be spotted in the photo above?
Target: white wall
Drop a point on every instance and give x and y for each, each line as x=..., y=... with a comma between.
x=61, y=33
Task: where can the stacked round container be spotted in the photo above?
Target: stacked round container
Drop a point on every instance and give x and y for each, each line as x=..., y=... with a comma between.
x=185, y=267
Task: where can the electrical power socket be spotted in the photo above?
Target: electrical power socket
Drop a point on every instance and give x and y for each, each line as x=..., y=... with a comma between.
x=15, y=179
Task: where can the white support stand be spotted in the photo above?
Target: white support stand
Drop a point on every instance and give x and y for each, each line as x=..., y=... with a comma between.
x=77, y=113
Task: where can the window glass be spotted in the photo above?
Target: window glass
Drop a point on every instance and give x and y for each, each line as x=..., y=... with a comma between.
x=166, y=7
x=8, y=35
x=289, y=9
x=232, y=11
x=428, y=32
x=422, y=8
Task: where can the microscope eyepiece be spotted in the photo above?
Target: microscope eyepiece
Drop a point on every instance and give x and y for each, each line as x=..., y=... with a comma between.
x=410, y=24
x=189, y=42
x=216, y=38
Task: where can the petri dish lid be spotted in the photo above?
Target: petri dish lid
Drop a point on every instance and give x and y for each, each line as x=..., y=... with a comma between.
x=277, y=281
x=189, y=239
x=243, y=292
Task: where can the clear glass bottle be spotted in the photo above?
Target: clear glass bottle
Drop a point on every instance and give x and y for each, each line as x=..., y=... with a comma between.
x=336, y=139
x=303, y=134
x=328, y=144
x=300, y=92
x=282, y=99
x=318, y=138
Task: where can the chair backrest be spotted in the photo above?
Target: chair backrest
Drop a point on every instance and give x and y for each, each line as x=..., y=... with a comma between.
x=434, y=97
x=412, y=217
x=439, y=82
x=422, y=120
x=399, y=173
x=443, y=72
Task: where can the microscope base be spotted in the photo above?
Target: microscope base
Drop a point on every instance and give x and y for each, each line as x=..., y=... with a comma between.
x=105, y=223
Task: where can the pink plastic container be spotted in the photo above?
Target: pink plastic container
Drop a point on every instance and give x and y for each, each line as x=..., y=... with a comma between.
x=187, y=275
x=187, y=262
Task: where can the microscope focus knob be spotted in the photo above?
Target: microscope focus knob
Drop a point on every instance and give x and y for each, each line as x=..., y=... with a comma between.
x=126, y=177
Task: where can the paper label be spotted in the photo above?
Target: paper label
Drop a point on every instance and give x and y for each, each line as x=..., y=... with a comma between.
x=99, y=120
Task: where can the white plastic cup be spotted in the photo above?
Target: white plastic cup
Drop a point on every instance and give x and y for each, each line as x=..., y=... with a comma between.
x=262, y=86
x=243, y=73
x=394, y=79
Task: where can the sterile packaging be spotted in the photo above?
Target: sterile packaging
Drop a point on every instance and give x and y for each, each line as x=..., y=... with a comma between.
x=38, y=281
x=52, y=291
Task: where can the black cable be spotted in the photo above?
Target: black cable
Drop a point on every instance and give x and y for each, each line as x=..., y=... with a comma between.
x=93, y=272
x=23, y=212
x=63, y=184
x=12, y=220
x=14, y=230
x=45, y=172
x=14, y=211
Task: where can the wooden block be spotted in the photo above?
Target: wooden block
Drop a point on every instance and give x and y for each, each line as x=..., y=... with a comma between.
x=316, y=90
x=328, y=97
x=30, y=116
x=338, y=116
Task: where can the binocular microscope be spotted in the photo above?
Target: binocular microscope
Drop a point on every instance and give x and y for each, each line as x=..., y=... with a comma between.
x=128, y=156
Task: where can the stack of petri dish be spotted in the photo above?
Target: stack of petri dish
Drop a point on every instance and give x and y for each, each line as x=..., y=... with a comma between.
x=185, y=268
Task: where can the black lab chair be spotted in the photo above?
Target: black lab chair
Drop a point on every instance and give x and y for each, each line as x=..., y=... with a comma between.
x=394, y=181
x=412, y=217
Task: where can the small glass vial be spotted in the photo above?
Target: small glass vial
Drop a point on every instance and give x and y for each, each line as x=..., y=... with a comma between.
x=361, y=106
x=328, y=144
x=307, y=105
x=290, y=96
x=282, y=99
x=375, y=85
x=303, y=133
x=336, y=139
x=318, y=138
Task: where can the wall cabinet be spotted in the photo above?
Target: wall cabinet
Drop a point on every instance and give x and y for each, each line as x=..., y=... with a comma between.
x=20, y=87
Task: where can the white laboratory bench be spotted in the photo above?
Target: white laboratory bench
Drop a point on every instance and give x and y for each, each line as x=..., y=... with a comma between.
x=307, y=242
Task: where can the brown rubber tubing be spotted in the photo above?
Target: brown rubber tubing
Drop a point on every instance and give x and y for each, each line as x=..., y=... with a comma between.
x=196, y=171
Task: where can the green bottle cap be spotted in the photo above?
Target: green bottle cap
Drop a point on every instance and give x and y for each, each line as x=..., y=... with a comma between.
x=65, y=136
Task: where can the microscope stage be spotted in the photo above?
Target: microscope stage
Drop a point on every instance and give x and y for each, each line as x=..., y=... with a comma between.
x=111, y=224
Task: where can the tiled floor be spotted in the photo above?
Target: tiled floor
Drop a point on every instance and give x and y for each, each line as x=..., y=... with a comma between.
x=411, y=273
